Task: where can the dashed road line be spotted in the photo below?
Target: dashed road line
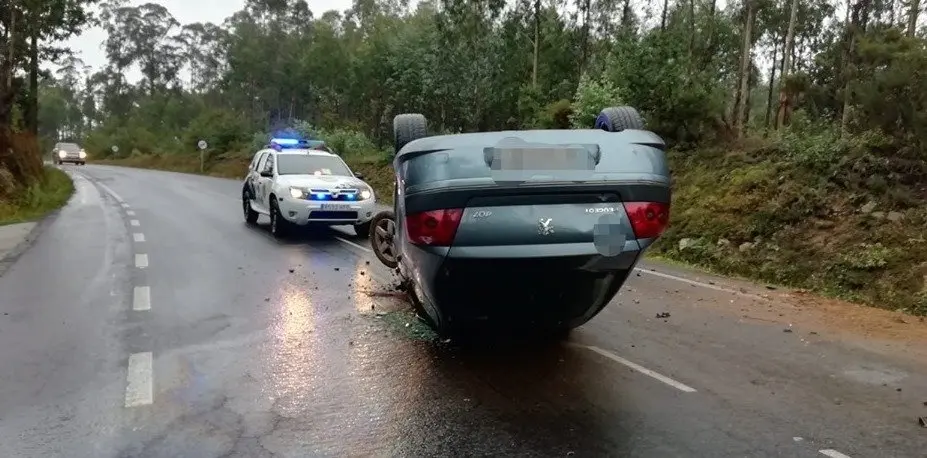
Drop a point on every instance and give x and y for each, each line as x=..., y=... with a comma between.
x=141, y=298
x=637, y=367
x=141, y=260
x=138, y=237
x=139, y=389
x=832, y=453
x=135, y=223
x=130, y=213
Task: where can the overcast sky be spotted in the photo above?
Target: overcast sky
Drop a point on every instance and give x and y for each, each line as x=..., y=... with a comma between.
x=88, y=44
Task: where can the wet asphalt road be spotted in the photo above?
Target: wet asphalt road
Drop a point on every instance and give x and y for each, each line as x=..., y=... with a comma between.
x=149, y=320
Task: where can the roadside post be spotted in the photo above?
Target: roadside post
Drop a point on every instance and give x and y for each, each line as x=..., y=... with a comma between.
x=115, y=151
x=202, y=145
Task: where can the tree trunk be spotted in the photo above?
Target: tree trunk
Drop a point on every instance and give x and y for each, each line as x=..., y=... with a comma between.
x=856, y=22
x=772, y=81
x=663, y=18
x=740, y=103
x=784, y=102
x=537, y=43
x=914, y=10
x=32, y=107
x=6, y=75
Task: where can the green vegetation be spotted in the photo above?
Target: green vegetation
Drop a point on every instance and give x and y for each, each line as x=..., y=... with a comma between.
x=797, y=140
x=30, y=32
x=38, y=199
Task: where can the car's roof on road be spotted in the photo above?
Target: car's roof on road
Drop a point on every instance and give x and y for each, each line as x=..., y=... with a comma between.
x=565, y=136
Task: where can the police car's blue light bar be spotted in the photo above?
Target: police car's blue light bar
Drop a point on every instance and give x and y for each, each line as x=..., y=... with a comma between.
x=286, y=141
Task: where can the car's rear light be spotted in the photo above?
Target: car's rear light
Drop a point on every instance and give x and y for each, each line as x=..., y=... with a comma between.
x=648, y=219
x=433, y=228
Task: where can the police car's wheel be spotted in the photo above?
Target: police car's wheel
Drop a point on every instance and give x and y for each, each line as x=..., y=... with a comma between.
x=362, y=230
x=251, y=216
x=278, y=225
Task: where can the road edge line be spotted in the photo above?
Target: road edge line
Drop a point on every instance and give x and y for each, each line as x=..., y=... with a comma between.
x=643, y=370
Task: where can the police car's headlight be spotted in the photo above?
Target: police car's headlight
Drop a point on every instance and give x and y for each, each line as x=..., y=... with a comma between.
x=297, y=193
x=82, y=154
x=62, y=154
x=366, y=194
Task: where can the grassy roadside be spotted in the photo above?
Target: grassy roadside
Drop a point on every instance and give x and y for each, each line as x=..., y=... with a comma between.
x=49, y=194
x=757, y=214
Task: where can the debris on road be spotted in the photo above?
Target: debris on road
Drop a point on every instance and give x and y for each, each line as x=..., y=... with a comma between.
x=922, y=421
x=337, y=269
x=292, y=270
x=663, y=315
x=786, y=330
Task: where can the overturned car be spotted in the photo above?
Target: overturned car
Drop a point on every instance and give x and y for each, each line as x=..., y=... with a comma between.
x=536, y=228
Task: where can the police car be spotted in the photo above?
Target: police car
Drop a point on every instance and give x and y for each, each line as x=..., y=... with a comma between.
x=297, y=183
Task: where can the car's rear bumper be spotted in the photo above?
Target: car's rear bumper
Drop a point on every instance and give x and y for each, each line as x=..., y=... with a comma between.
x=71, y=160
x=303, y=212
x=532, y=290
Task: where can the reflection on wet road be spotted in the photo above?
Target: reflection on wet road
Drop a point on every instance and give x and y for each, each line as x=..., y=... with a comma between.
x=262, y=348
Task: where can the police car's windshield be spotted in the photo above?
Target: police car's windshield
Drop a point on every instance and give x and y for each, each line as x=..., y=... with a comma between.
x=297, y=164
x=69, y=147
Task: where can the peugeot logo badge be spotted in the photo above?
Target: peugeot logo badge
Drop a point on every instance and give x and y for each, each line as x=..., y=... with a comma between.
x=545, y=227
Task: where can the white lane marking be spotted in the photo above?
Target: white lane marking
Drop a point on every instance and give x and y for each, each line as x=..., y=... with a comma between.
x=139, y=380
x=141, y=299
x=832, y=453
x=698, y=283
x=643, y=370
x=141, y=260
x=125, y=205
x=354, y=244
x=135, y=223
x=138, y=237
x=658, y=274
x=130, y=212
x=112, y=193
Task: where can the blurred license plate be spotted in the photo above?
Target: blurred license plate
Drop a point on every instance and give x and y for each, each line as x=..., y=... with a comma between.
x=543, y=159
x=335, y=207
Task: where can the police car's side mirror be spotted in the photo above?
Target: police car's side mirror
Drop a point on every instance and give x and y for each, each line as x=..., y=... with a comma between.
x=359, y=175
x=266, y=174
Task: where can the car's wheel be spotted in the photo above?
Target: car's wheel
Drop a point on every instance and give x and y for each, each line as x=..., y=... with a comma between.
x=408, y=127
x=278, y=224
x=617, y=119
x=362, y=230
x=382, y=238
x=251, y=216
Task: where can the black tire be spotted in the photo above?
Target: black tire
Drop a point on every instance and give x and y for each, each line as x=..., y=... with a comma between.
x=408, y=127
x=279, y=226
x=363, y=229
x=617, y=119
x=251, y=216
x=380, y=236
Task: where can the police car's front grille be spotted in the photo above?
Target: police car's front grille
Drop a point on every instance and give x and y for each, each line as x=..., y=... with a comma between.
x=325, y=194
x=333, y=215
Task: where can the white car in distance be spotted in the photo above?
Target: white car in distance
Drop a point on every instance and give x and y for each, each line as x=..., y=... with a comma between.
x=297, y=186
